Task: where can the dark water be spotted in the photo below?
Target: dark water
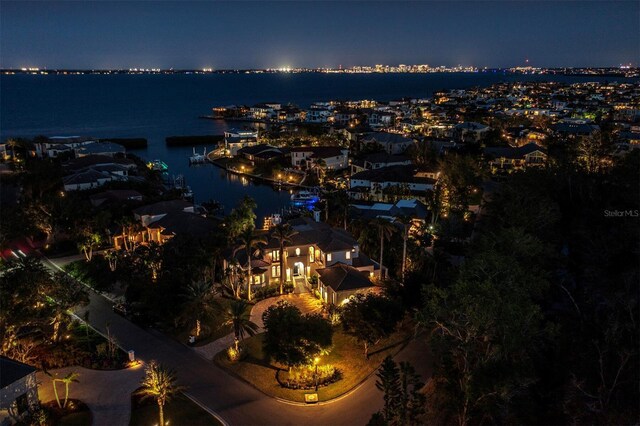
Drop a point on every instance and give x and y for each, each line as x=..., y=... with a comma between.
x=157, y=106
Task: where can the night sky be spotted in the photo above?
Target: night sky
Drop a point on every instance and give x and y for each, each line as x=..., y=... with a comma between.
x=317, y=34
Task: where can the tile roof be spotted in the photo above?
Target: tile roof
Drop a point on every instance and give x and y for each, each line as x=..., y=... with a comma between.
x=341, y=277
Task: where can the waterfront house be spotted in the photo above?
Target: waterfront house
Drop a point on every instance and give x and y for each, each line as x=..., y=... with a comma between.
x=56, y=145
x=159, y=222
x=334, y=157
x=108, y=149
x=93, y=171
x=85, y=162
x=18, y=390
x=261, y=153
x=391, y=143
x=264, y=111
x=315, y=246
x=236, y=139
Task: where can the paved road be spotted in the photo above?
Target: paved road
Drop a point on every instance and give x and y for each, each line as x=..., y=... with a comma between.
x=235, y=401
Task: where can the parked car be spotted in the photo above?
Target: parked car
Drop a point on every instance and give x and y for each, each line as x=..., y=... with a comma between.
x=121, y=308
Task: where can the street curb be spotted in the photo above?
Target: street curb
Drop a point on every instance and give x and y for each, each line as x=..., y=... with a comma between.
x=205, y=408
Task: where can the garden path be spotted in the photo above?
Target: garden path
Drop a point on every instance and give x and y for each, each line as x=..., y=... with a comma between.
x=304, y=301
x=107, y=393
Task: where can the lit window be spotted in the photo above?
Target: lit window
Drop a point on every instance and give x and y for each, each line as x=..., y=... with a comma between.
x=275, y=271
x=311, y=255
x=348, y=254
x=275, y=255
x=328, y=257
x=298, y=251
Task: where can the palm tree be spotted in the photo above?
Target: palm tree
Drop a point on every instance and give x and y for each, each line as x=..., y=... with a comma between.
x=405, y=222
x=385, y=229
x=72, y=377
x=199, y=304
x=89, y=243
x=232, y=280
x=319, y=164
x=238, y=314
x=112, y=257
x=249, y=241
x=283, y=233
x=339, y=200
x=159, y=383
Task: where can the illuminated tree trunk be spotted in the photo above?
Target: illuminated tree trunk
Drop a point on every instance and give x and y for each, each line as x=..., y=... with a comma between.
x=55, y=392
x=161, y=412
x=249, y=274
x=281, y=268
x=198, y=328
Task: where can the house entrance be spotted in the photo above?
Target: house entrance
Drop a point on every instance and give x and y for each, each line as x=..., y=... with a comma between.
x=298, y=269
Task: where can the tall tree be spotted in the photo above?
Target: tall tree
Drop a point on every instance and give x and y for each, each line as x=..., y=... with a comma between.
x=241, y=218
x=294, y=339
x=385, y=230
x=370, y=318
x=250, y=241
x=199, y=305
x=88, y=243
x=403, y=400
x=283, y=233
x=64, y=293
x=405, y=222
x=238, y=314
x=159, y=383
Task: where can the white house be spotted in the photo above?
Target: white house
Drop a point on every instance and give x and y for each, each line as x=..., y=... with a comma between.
x=236, y=139
x=334, y=157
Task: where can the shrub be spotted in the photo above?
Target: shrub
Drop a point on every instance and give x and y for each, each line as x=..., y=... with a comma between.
x=267, y=291
x=305, y=377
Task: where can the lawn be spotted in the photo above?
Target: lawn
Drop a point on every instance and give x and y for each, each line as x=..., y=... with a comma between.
x=346, y=355
x=179, y=411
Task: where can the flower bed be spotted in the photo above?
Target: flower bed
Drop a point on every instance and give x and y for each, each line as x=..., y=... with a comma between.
x=304, y=378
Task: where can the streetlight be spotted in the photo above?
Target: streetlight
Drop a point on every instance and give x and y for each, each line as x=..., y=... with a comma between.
x=315, y=361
